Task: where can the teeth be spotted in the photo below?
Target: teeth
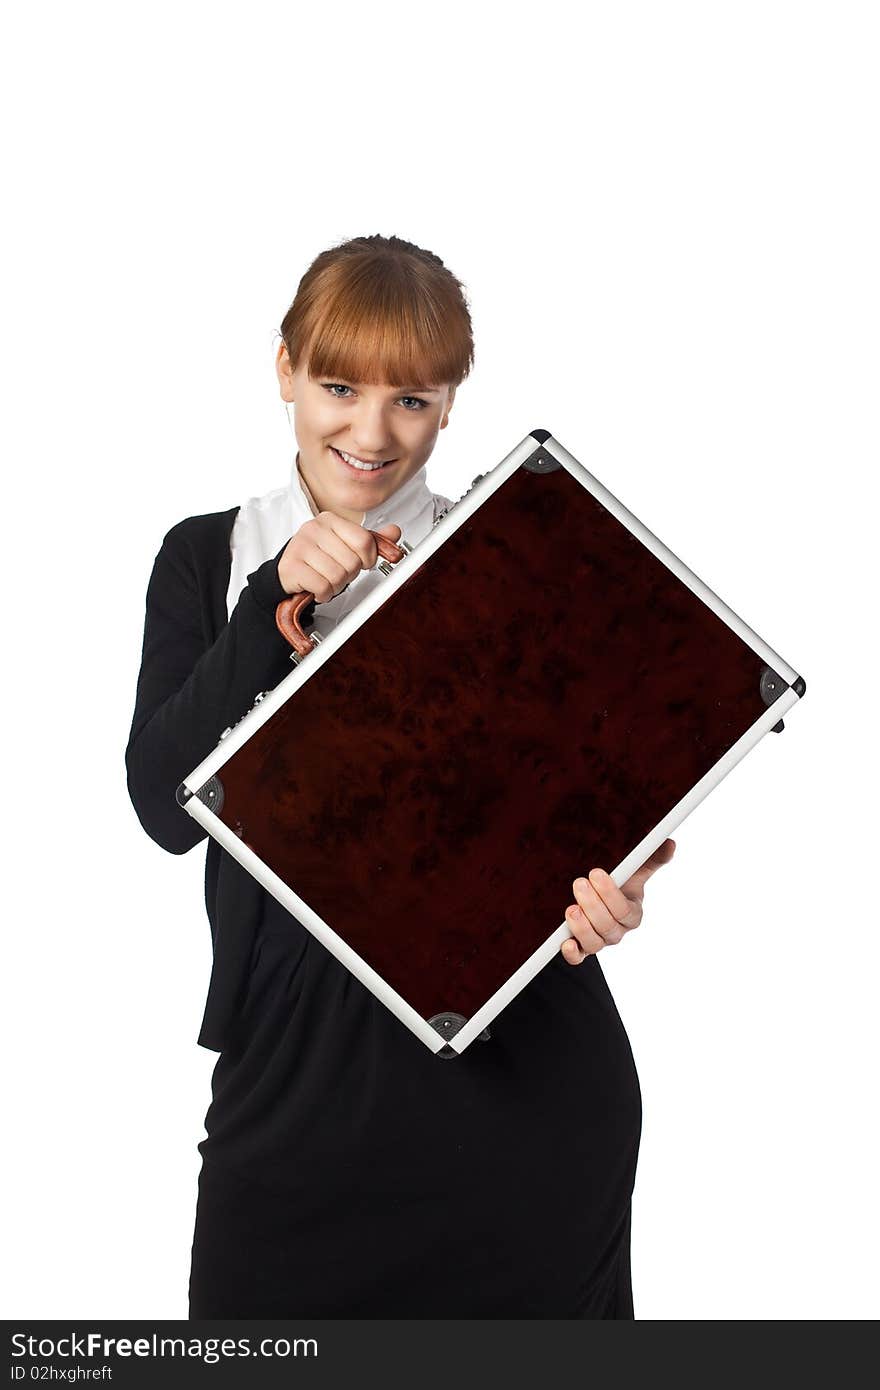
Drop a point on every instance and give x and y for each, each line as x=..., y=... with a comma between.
x=357, y=463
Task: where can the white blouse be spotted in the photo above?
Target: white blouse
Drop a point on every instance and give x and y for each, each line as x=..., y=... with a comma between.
x=264, y=524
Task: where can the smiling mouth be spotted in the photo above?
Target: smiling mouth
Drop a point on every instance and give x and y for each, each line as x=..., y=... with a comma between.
x=358, y=465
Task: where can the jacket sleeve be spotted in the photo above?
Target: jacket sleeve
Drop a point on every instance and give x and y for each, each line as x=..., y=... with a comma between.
x=187, y=691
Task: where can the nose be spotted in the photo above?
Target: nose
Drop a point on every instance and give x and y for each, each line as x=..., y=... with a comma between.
x=370, y=433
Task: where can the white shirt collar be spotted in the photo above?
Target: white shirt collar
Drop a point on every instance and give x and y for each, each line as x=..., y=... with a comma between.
x=264, y=524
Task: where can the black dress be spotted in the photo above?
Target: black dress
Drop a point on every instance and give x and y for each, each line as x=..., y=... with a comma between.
x=347, y=1171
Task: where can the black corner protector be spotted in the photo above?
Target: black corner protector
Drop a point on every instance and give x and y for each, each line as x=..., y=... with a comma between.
x=778, y=727
x=771, y=685
x=485, y=1036
x=541, y=435
x=541, y=462
x=183, y=794
x=212, y=794
x=799, y=686
x=447, y=1022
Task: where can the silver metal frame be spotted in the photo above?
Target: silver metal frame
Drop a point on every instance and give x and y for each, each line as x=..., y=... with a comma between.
x=445, y=526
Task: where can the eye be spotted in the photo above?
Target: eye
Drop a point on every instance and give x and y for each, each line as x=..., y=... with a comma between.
x=334, y=386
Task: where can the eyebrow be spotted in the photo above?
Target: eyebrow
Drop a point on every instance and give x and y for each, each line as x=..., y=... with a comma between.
x=425, y=390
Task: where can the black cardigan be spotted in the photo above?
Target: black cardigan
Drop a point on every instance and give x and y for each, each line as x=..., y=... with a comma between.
x=199, y=674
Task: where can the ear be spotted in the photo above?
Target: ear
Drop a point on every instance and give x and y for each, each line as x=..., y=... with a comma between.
x=450, y=398
x=283, y=372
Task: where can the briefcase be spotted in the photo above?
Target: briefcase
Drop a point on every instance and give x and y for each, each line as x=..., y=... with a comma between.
x=539, y=687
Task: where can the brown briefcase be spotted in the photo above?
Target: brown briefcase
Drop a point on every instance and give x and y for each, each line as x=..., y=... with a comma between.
x=539, y=687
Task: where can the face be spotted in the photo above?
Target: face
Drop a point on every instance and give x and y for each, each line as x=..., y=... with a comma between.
x=373, y=424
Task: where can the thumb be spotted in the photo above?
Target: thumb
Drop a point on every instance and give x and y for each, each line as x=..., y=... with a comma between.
x=662, y=855
x=390, y=529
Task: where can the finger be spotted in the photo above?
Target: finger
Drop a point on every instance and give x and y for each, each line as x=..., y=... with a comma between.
x=356, y=537
x=596, y=911
x=314, y=582
x=577, y=918
x=625, y=909
x=572, y=952
x=583, y=931
x=330, y=575
x=341, y=550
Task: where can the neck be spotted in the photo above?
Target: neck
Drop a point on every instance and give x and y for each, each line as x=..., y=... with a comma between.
x=318, y=502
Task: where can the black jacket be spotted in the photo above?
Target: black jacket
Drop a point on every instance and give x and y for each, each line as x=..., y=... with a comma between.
x=199, y=674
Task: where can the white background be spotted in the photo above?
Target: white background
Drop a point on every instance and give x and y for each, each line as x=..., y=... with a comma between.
x=666, y=220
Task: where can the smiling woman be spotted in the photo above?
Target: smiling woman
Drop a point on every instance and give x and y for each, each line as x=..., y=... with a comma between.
x=347, y=1172
x=373, y=348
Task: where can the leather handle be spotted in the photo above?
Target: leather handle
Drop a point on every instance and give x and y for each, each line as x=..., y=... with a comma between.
x=289, y=609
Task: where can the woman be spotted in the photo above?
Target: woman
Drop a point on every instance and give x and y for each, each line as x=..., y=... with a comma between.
x=346, y=1171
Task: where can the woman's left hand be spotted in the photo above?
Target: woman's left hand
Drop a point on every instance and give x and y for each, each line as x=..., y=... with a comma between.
x=603, y=912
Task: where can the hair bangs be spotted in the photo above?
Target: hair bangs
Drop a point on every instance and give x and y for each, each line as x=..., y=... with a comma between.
x=381, y=311
x=380, y=344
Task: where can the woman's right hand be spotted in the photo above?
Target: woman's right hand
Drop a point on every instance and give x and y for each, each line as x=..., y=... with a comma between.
x=327, y=553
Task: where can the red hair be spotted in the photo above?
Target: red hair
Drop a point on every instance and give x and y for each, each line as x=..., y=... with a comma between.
x=380, y=310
